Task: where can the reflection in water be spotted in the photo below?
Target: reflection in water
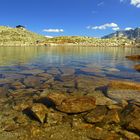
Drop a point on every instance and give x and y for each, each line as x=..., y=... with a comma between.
x=18, y=55
x=70, y=56
x=15, y=55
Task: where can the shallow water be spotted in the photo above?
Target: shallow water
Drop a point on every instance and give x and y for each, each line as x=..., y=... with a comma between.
x=28, y=74
x=104, y=62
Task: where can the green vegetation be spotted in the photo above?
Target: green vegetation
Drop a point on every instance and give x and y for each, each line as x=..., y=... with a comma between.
x=18, y=37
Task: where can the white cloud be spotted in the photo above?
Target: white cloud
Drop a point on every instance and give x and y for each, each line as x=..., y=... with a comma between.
x=53, y=30
x=114, y=26
x=128, y=28
x=135, y=3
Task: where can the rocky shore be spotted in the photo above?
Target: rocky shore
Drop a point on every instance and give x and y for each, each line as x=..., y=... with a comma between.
x=39, y=107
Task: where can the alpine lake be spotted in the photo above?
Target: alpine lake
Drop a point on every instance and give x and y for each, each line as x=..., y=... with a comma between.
x=69, y=93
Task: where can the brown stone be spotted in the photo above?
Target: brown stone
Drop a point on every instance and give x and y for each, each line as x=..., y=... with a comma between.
x=72, y=104
x=17, y=85
x=134, y=125
x=39, y=111
x=56, y=98
x=79, y=124
x=32, y=81
x=137, y=67
x=129, y=135
x=130, y=117
x=96, y=115
x=112, y=116
x=115, y=84
x=133, y=57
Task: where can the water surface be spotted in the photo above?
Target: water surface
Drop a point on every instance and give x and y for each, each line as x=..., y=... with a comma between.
x=107, y=62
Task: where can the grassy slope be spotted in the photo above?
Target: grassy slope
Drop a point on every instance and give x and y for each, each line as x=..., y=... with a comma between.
x=18, y=36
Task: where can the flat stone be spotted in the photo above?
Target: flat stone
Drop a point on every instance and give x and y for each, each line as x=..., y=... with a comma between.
x=112, y=69
x=53, y=71
x=96, y=115
x=72, y=104
x=31, y=81
x=67, y=71
x=90, y=70
x=101, y=99
x=32, y=71
x=116, y=84
x=45, y=75
x=14, y=76
x=119, y=95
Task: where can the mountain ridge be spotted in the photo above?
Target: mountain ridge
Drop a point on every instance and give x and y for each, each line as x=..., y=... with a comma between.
x=130, y=34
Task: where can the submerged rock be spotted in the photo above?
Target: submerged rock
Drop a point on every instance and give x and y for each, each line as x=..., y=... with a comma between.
x=32, y=71
x=31, y=81
x=137, y=67
x=133, y=57
x=129, y=135
x=17, y=85
x=78, y=123
x=116, y=84
x=130, y=118
x=124, y=95
x=53, y=71
x=72, y=104
x=39, y=111
x=112, y=116
x=67, y=71
x=90, y=70
x=54, y=117
x=96, y=115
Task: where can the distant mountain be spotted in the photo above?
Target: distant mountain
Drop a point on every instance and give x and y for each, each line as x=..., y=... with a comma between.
x=130, y=34
x=18, y=36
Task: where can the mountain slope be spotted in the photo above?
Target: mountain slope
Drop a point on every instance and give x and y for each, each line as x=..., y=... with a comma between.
x=18, y=36
x=131, y=34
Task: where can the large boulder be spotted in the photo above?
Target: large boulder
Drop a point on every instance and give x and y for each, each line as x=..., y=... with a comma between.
x=72, y=104
x=133, y=57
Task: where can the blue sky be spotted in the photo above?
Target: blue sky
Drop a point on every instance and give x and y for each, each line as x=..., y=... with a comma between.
x=71, y=17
